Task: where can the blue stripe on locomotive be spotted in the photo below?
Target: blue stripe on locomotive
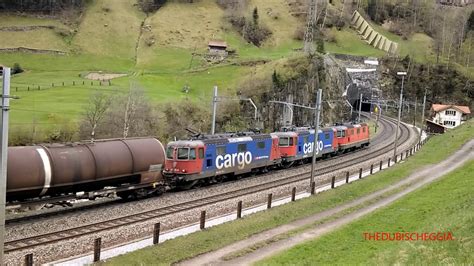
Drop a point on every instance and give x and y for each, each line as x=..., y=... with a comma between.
x=214, y=162
x=325, y=141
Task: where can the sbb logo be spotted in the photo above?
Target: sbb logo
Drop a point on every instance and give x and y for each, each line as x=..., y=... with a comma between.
x=230, y=160
x=308, y=147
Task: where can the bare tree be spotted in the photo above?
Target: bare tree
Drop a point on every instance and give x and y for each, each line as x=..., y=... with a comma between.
x=99, y=103
x=130, y=114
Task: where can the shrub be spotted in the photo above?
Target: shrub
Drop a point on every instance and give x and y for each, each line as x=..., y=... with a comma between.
x=250, y=29
x=255, y=34
x=329, y=36
x=17, y=69
x=20, y=136
x=149, y=6
x=299, y=34
x=340, y=24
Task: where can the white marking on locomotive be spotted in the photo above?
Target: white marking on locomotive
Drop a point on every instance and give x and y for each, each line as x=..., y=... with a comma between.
x=240, y=139
x=47, y=170
x=308, y=147
x=230, y=160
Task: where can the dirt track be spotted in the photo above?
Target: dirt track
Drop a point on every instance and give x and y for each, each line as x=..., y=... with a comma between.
x=416, y=180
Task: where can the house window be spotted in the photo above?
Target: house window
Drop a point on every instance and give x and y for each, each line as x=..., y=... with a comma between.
x=450, y=112
x=450, y=123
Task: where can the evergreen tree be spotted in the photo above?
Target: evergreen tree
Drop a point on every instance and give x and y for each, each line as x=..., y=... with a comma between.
x=372, y=9
x=255, y=16
x=470, y=22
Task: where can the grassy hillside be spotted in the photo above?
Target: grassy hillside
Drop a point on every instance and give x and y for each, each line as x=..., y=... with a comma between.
x=348, y=42
x=110, y=28
x=422, y=211
x=162, y=56
x=42, y=38
x=38, y=39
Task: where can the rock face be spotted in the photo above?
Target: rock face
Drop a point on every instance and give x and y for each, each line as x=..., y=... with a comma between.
x=363, y=77
x=308, y=75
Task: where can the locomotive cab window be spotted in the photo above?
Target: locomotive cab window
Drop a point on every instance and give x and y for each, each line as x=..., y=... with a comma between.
x=261, y=145
x=169, y=152
x=341, y=133
x=242, y=147
x=192, y=154
x=326, y=136
x=363, y=129
x=285, y=142
x=183, y=154
x=201, y=153
x=358, y=131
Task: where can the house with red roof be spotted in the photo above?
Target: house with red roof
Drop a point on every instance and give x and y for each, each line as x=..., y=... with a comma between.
x=449, y=115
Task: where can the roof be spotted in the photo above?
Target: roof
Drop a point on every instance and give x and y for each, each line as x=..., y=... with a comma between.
x=217, y=44
x=440, y=107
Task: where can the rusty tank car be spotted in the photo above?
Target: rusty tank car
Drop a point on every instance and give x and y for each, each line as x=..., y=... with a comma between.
x=124, y=166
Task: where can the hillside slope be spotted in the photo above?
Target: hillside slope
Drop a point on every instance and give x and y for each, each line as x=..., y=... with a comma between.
x=110, y=28
x=161, y=52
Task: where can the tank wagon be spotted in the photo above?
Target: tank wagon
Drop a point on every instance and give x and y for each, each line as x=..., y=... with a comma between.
x=130, y=166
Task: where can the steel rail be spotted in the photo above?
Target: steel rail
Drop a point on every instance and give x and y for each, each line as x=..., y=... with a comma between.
x=144, y=216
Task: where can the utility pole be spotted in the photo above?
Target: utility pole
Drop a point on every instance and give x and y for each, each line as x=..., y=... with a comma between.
x=214, y=109
x=4, y=153
x=414, y=114
x=360, y=106
x=308, y=35
x=422, y=115
x=350, y=105
x=216, y=99
x=403, y=74
x=378, y=113
x=316, y=129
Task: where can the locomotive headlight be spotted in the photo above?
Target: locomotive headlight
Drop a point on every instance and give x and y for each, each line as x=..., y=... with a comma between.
x=184, y=170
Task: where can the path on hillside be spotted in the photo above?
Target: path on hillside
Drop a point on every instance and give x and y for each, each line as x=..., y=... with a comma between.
x=415, y=181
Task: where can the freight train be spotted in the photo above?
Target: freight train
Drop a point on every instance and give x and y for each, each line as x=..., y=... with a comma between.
x=141, y=166
x=211, y=159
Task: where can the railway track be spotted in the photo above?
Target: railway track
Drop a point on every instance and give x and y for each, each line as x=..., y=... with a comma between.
x=386, y=129
x=48, y=238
